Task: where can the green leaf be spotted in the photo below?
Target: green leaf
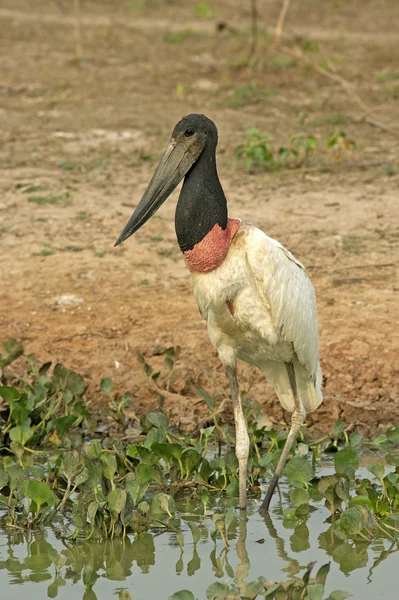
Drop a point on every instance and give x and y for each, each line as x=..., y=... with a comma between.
x=65, y=379
x=155, y=436
x=322, y=573
x=299, y=496
x=95, y=472
x=89, y=576
x=290, y=518
x=108, y=462
x=195, y=532
x=116, y=500
x=154, y=418
x=377, y=470
x=162, y=450
x=207, y=431
x=12, y=349
x=346, y=461
x=182, y=595
x=254, y=588
x=3, y=478
x=93, y=449
x=233, y=489
x=17, y=449
x=107, y=385
x=190, y=459
x=338, y=595
x=144, y=507
x=62, y=424
x=270, y=592
x=338, y=429
x=52, y=590
x=22, y=433
x=356, y=440
x=82, y=477
x=72, y=464
x=380, y=439
x=218, y=591
x=299, y=470
x=302, y=510
x=351, y=521
x=9, y=394
x=315, y=591
x=231, y=462
x=299, y=540
x=203, y=494
x=209, y=401
x=194, y=564
x=361, y=501
x=342, y=489
x=180, y=539
x=229, y=517
x=393, y=434
x=143, y=550
x=162, y=503
x=39, y=492
x=326, y=487
x=15, y=474
x=267, y=459
x=144, y=473
x=349, y=557
x=92, y=511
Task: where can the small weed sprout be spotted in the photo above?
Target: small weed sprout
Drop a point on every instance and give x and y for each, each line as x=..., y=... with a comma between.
x=303, y=146
x=204, y=10
x=258, y=151
x=338, y=143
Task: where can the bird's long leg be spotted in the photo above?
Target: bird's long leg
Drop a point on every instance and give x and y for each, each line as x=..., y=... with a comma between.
x=297, y=420
x=242, y=439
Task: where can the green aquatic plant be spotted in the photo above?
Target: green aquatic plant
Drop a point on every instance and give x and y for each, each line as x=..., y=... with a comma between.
x=52, y=469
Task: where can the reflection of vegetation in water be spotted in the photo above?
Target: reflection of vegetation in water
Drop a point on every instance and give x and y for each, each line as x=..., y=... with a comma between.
x=57, y=469
x=86, y=562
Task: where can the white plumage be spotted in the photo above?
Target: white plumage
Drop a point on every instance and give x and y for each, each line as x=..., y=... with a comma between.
x=275, y=315
x=260, y=306
x=254, y=295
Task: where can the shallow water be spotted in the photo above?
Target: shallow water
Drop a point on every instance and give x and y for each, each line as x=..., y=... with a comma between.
x=152, y=566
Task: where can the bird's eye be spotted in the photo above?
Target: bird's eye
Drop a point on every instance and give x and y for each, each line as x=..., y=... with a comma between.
x=189, y=132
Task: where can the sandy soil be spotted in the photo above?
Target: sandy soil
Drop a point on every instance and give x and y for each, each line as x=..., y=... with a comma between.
x=80, y=140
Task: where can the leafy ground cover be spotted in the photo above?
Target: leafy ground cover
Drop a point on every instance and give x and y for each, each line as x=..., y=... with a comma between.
x=61, y=468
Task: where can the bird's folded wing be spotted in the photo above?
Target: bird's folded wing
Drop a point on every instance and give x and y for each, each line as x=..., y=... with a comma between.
x=289, y=295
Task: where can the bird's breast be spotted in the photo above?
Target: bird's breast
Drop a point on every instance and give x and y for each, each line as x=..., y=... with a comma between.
x=230, y=302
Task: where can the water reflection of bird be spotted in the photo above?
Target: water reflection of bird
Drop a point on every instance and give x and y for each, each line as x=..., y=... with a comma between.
x=257, y=300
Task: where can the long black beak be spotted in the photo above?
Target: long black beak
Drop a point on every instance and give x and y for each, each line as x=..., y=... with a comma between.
x=174, y=164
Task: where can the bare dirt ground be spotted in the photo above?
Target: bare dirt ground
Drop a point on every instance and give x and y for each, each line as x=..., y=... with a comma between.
x=80, y=140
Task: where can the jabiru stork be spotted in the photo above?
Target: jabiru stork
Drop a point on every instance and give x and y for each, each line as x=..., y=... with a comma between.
x=256, y=298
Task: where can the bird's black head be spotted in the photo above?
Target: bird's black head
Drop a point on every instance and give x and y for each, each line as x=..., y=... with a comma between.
x=190, y=138
x=196, y=131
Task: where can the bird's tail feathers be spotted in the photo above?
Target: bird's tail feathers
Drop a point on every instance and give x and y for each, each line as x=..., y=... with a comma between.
x=309, y=389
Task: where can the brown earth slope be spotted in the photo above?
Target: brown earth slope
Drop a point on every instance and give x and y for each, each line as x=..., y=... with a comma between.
x=79, y=142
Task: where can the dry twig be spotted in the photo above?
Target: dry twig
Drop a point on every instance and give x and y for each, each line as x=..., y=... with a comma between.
x=254, y=30
x=333, y=75
x=78, y=29
x=281, y=21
